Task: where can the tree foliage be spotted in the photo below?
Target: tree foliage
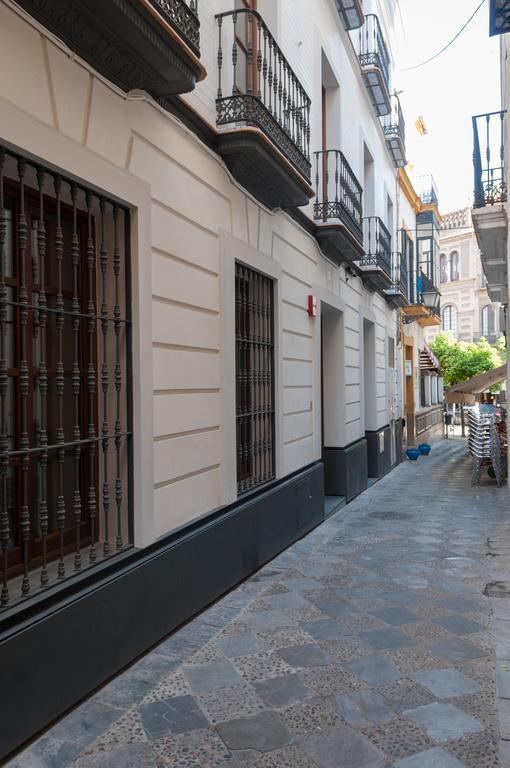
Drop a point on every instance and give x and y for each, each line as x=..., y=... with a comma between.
x=461, y=361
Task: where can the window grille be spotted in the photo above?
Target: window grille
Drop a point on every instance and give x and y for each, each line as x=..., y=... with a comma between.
x=255, y=378
x=65, y=377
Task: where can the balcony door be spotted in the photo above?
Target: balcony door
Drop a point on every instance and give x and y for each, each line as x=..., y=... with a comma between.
x=325, y=151
x=246, y=40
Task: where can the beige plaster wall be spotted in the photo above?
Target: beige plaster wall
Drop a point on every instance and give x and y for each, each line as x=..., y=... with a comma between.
x=190, y=223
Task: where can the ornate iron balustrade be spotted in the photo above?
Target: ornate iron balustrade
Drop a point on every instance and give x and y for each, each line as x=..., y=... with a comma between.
x=489, y=163
x=373, y=55
x=130, y=42
x=400, y=274
x=395, y=132
x=338, y=191
x=262, y=89
x=351, y=12
x=377, y=242
x=183, y=16
x=65, y=377
x=499, y=17
x=427, y=190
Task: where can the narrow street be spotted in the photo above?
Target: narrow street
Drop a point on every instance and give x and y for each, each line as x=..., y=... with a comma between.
x=368, y=644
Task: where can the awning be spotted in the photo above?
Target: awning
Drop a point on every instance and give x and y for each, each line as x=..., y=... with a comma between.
x=428, y=360
x=466, y=391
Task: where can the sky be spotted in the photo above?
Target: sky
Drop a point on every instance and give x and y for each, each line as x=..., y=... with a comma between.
x=462, y=82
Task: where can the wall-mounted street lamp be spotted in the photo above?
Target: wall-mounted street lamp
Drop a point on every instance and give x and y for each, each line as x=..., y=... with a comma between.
x=430, y=298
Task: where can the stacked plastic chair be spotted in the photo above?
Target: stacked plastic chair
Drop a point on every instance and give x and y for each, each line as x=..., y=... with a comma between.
x=498, y=454
x=485, y=446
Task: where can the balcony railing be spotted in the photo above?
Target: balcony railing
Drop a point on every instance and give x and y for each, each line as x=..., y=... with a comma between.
x=427, y=190
x=258, y=88
x=338, y=191
x=375, y=63
x=183, y=16
x=400, y=274
x=499, y=17
x=489, y=159
x=377, y=242
x=351, y=12
x=395, y=132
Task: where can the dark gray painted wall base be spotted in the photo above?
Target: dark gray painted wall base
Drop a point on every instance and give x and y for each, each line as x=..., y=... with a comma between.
x=56, y=653
x=399, y=437
x=345, y=470
x=379, y=463
x=432, y=435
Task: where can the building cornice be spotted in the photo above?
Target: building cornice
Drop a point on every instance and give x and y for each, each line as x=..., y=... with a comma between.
x=406, y=185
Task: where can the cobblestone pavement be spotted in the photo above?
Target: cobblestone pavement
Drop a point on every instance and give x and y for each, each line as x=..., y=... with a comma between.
x=368, y=644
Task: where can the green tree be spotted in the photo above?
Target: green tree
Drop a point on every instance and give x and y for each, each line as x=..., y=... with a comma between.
x=461, y=361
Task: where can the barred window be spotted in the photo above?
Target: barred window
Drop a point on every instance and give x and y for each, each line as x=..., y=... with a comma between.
x=254, y=378
x=64, y=377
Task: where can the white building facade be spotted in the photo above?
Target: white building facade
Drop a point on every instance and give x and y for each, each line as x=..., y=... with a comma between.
x=199, y=315
x=467, y=311
x=422, y=387
x=491, y=139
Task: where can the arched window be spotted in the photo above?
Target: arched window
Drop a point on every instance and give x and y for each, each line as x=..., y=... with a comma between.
x=442, y=261
x=454, y=266
x=488, y=321
x=449, y=315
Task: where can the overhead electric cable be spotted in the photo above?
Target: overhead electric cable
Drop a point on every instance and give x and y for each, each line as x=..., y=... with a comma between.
x=461, y=30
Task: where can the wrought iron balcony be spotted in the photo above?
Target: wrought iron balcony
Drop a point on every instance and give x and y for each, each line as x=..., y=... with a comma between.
x=395, y=133
x=397, y=295
x=490, y=193
x=424, y=300
x=375, y=264
x=351, y=12
x=374, y=60
x=489, y=159
x=499, y=17
x=338, y=207
x=427, y=190
x=152, y=45
x=263, y=111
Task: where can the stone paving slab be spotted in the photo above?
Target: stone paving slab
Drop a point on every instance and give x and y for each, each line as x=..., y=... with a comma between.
x=368, y=644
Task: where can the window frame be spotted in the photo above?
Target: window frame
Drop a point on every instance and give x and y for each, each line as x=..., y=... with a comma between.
x=452, y=313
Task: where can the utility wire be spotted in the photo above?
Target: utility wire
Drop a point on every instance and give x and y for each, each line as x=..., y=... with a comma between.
x=461, y=30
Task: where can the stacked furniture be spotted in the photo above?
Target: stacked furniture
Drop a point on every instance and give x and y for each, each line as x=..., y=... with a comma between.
x=487, y=445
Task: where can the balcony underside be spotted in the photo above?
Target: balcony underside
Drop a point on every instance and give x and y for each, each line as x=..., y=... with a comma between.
x=376, y=85
x=257, y=164
x=421, y=314
x=396, y=298
x=337, y=234
x=491, y=227
x=130, y=42
x=351, y=13
x=396, y=146
x=374, y=277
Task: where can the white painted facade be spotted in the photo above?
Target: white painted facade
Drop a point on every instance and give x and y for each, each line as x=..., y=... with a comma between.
x=422, y=389
x=464, y=293
x=190, y=223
